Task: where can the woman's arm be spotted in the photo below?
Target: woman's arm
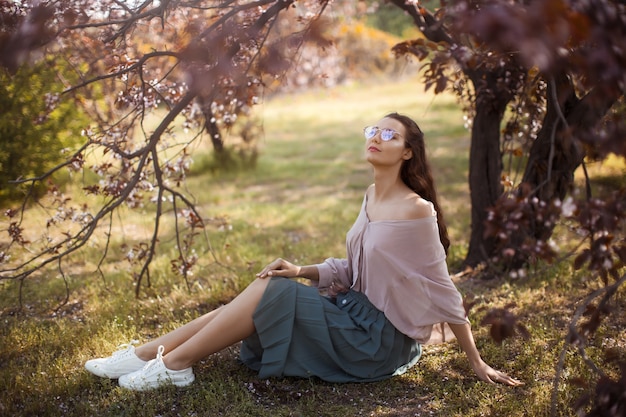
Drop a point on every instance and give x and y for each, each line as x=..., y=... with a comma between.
x=283, y=268
x=463, y=333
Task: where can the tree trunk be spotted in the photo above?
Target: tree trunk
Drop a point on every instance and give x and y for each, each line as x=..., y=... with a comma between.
x=485, y=165
x=553, y=158
x=213, y=130
x=557, y=153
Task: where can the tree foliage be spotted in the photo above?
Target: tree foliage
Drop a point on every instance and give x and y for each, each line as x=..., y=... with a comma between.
x=550, y=73
x=198, y=65
x=38, y=126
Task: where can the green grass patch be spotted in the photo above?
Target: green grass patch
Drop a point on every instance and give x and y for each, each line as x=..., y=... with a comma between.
x=298, y=203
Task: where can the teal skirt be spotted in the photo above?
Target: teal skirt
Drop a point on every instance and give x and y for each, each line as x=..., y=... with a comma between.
x=344, y=339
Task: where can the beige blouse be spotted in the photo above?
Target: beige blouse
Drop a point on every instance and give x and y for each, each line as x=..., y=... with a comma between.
x=400, y=265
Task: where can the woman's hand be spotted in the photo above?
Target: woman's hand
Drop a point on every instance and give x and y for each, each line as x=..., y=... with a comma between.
x=485, y=372
x=488, y=374
x=337, y=288
x=280, y=268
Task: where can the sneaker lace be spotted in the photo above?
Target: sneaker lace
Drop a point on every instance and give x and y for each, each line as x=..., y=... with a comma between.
x=160, y=351
x=124, y=348
x=159, y=358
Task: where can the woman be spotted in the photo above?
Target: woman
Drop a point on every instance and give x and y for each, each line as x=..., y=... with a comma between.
x=381, y=305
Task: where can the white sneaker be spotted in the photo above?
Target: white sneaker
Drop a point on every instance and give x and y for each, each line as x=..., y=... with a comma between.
x=122, y=362
x=155, y=374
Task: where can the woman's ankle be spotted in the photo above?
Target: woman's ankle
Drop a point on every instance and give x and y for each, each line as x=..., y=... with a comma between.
x=173, y=365
x=144, y=353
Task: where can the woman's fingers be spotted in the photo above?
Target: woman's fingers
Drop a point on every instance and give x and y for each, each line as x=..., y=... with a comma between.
x=510, y=381
x=276, y=268
x=503, y=378
x=493, y=376
x=336, y=288
x=263, y=272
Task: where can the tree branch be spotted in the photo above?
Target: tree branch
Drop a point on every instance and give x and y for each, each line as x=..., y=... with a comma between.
x=140, y=62
x=573, y=337
x=428, y=24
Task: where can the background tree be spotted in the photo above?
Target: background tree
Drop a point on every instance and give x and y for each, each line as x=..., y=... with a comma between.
x=204, y=67
x=541, y=81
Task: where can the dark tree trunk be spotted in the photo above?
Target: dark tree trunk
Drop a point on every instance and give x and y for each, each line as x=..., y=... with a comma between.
x=553, y=158
x=213, y=130
x=557, y=153
x=485, y=165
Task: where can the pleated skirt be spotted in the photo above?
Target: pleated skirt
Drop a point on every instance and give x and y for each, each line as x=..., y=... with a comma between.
x=301, y=333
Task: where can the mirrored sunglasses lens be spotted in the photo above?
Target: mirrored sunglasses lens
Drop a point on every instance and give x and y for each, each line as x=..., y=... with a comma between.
x=387, y=134
x=370, y=132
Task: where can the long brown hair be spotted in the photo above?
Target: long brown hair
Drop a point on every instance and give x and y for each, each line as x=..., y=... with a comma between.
x=415, y=172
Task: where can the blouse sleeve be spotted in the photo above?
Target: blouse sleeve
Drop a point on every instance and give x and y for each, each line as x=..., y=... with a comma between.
x=333, y=269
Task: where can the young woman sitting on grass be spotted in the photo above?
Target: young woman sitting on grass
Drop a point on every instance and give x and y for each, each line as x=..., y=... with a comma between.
x=365, y=318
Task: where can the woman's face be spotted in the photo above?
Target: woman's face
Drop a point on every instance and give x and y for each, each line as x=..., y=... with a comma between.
x=379, y=151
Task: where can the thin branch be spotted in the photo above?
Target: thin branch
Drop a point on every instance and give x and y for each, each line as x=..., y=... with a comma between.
x=425, y=21
x=181, y=254
x=124, y=6
x=140, y=62
x=54, y=169
x=125, y=23
x=234, y=11
x=67, y=287
x=574, y=337
x=157, y=221
x=106, y=249
x=557, y=107
x=169, y=118
x=193, y=5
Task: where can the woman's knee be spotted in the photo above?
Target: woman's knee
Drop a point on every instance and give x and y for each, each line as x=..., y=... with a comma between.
x=260, y=283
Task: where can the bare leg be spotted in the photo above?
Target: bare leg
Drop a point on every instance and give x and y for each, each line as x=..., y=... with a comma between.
x=176, y=337
x=233, y=324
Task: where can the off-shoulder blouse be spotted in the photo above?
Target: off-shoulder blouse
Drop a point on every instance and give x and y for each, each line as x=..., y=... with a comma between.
x=400, y=265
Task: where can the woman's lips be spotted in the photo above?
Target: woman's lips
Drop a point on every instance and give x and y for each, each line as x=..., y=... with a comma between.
x=373, y=149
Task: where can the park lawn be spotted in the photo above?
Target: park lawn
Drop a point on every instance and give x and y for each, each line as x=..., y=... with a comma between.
x=297, y=203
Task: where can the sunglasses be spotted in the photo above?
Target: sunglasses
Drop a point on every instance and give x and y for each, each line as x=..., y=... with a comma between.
x=385, y=134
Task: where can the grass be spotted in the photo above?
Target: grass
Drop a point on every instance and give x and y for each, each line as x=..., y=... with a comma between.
x=298, y=203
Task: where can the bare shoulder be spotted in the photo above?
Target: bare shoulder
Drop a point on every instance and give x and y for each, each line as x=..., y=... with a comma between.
x=418, y=208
